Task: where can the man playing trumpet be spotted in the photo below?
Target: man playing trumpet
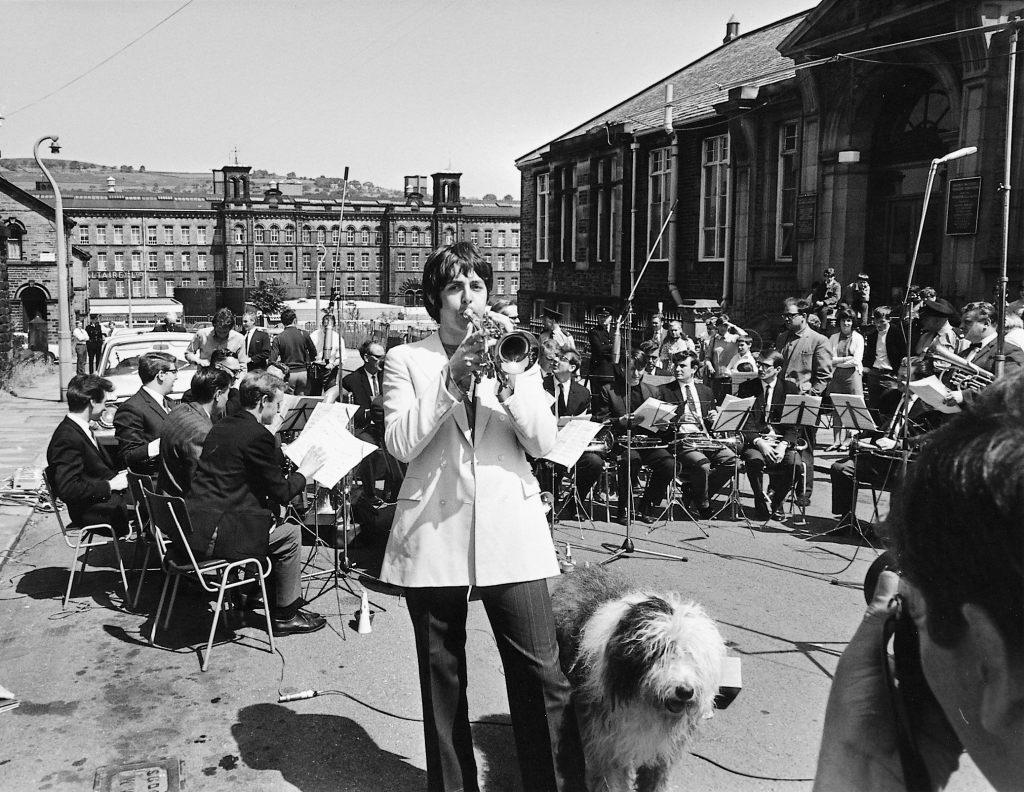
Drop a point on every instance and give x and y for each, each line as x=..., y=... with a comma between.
x=979, y=324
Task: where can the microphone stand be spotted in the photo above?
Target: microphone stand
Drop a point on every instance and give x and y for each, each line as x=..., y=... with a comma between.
x=627, y=548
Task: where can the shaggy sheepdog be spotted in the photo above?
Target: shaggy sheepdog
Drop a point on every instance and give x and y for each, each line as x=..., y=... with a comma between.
x=645, y=669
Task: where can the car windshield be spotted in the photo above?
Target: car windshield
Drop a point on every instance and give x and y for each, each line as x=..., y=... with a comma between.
x=124, y=358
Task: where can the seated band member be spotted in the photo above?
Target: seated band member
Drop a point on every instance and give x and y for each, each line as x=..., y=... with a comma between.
x=571, y=399
x=183, y=433
x=623, y=397
x=979, y=323
x=470, y=525
x=766, y=446
x=237, y=490
x=81, y=472
x=140, y=418
x=707, y=471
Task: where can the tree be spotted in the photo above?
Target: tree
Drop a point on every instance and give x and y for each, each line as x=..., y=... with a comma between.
x=508, y=197
x=490, y=197
x=142, y=168
x=268, y=297
x=290, y=175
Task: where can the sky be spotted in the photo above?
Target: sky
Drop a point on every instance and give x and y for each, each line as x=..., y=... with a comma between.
x=388, y=88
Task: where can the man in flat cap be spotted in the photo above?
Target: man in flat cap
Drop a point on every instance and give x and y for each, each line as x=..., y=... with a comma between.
x=934, y=316
x=858, y=294
x=550, y=319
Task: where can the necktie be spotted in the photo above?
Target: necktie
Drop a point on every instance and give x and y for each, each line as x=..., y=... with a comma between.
x=767, y=401
x=691, y=405
x=167, y=405
x=373, y=386
x=563, y=407
x=248, y=342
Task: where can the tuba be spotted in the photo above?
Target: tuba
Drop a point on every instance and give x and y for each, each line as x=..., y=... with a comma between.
x=510, y=352
x=963, y=373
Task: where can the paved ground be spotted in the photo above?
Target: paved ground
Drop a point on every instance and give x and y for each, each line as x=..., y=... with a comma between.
x=96, y=694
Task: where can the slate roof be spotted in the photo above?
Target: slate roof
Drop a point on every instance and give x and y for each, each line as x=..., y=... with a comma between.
x=750, y=59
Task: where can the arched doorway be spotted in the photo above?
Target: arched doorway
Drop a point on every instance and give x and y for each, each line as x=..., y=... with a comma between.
x=915, y=123
x=33, y=303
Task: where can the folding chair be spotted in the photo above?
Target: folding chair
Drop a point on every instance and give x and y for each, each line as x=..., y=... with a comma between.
x=88, y=537
x=216, y=575
x=143, y=526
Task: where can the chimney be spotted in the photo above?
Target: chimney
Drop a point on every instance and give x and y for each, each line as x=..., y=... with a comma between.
x=732, y=30
x=111, y=184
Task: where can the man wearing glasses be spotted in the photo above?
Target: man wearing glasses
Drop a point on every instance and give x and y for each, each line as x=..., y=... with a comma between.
x=140, y=419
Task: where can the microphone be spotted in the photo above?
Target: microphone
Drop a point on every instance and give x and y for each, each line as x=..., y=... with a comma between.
x=964, y=152
x=304, y=694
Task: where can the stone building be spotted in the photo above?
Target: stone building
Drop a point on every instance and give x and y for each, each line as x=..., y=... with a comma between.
x=787, y=149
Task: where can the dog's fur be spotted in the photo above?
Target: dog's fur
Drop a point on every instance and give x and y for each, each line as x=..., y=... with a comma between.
x=645, y=669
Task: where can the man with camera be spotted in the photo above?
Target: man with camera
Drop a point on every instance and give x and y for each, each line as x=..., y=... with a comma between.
x=958, y=541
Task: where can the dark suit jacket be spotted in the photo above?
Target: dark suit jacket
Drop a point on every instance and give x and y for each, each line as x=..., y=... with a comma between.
x=615, y=399
x=293, y=347
x=600, y=352
x=578, y=402
x=138, y=421
x=986, y=359
x=672, y=392
x=181, y=443
x=259, y=349
x=760, y=419
x=895, y=345
x=369, y=414
x=238, y=485
x=80, y=473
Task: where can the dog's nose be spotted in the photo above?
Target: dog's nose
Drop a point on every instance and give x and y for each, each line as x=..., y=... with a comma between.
x=684, y=693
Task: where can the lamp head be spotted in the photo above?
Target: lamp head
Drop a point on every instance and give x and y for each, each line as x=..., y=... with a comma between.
x=54, y=146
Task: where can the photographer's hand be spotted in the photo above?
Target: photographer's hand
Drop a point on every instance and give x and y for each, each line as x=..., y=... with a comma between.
x=859, y=743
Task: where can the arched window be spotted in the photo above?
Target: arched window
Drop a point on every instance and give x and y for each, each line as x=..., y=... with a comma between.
x=364, y=235
x=321, y=236
x=306, y=232
x=289, y=234
x=15, y=240
x=917, y=124
x=258, y=234
x=238, y=234
x=275, y=235
x=401, y=236
x=335, y=235
x=350, y=235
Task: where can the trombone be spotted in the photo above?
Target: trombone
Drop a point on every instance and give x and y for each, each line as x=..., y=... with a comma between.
x=963, y=373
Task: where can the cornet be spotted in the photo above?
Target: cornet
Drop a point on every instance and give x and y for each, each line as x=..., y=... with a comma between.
x=964, y=374
x=509, y=353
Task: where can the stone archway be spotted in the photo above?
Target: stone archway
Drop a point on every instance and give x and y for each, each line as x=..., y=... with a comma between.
x=34, y=301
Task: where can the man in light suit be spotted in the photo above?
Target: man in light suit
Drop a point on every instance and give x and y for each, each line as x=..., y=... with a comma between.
x=181, y=440
x=139, y=420
x=470, y=524
x=81, y=473
x=257, y=342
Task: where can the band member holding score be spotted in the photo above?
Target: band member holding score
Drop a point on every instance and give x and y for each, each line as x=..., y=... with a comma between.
x=470, y=525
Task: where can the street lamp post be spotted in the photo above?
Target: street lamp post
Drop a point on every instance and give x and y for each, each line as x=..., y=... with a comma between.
x=63, y=285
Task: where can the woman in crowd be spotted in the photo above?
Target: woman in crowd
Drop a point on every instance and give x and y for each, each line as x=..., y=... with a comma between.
x=847, y=355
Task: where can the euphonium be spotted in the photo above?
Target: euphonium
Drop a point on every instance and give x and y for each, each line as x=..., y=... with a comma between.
x=510, y=352
x=964, y=373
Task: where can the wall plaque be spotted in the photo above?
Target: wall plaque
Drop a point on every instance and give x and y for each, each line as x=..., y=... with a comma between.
x=806, y=217
x=962, y=198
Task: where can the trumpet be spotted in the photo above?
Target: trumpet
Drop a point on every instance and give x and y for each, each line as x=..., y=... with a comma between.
x=509, y=353
x=963, y=373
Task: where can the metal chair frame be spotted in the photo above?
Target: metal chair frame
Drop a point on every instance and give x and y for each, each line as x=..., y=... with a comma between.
x=89, y=536
x=144, y=531
x=214, y=574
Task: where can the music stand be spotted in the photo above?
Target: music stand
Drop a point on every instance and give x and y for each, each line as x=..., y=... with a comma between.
x=299, y=412
x=802, y=410
x=853, y=413
x=732, y=415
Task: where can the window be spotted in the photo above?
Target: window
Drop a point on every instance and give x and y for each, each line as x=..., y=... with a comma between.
x=258, y=234
x=119, y=288
x=168, y=235
x=350, y=236
x=136, y=235
x=350, y=285
x=376, y=237
x=474, y=237
x=543, y=197
x=259, y=262
x=136, y=261
x=567, y=221
x=401, y=236
x=289, y=260
x=101, y=235
x=659, y=200
x=185, y=235
x=514, y=264
x=415, y=261
x=289, y=235
x=501, y=239
x=426, y=237
x=101, y=289
x=376, y=259
x=200, y=261
x=500, y=285
x=414, y=236
x=202, y=283
x=366, y=286
x=274, y=262
x=118, y=235
x=350, y=261
x=513, y=285
x=153, y=287
x=785, y=212
x=201, y=235
x=151, y=235
x=714, y=194
x=186, y=261
x=488, y=238
x=168, y=288
x=101, y=261
x=400, y=262
x=306, y=231
x=151, y=261
x=609, y=208
x=83, y=235
x=186, y=283
x=321, y=236
x=335, y=235
x=239, y=262
x=487, y=257
x=501, y=262
x=364, y=260
x=307, y=261
x=275, y=235
x=364, y=235
x=449, y=235
x=169, y=262
x=515, y=239
x=119, y=261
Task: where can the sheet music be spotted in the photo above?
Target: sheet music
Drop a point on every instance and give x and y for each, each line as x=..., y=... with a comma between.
x=327, y=428
x=653, y=414
x=573, y=439
x=793, y=414
x=853, y=412
x=934, y=394
x=732, y=413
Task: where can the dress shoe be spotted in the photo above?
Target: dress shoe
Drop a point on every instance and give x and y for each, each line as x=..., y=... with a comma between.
x=761, y=510
x=777, y=511
x=803, y=500
x=301, y=622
